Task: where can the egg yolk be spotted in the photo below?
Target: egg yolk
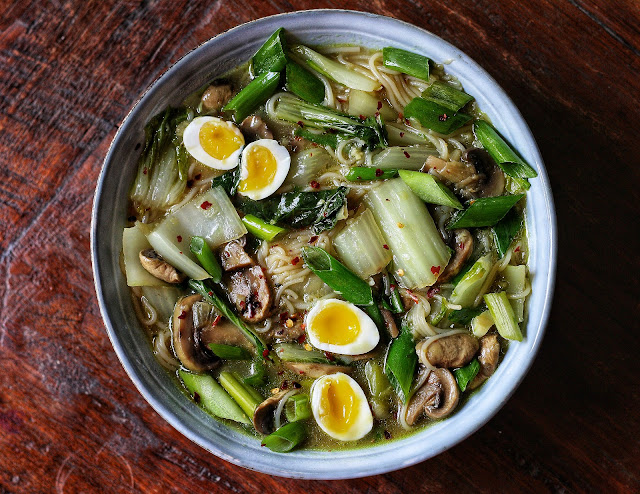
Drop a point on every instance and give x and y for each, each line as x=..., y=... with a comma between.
x=338, y=405
x=261, y=169
x=218, y=140
x=336, y=325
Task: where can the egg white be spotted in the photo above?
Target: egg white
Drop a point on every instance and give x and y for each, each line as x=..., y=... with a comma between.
x=365, y=341
x=283, y=163
x=191, y=140
x=363, y=419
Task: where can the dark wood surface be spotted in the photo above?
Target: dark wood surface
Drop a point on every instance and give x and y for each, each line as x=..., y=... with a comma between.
x=70, y=418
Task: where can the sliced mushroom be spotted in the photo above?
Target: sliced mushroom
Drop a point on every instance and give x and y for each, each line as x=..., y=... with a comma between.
x=233, y=255
x=255, y=128
x=283, y=333
x=488, y=358
x=250, y=292
x=316, y=370
x=437, y=397
x=452, y=351
x=492, y=178
x=225, y=333
x=158, y=267
x=263, y=416
x=390, y=322
x=463, y=249
x=216, y=96
x=187, y=342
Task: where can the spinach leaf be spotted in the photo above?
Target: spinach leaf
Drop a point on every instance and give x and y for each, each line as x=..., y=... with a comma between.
x=228, y=181
x=464, y=316
x=400, y=364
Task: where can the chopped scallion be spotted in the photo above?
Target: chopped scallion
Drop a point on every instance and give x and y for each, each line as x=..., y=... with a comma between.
x=206, y=258
x=445, y=95
x=261, y=229
x=435, y=116
x=286, y=437
x=503, y=316
x=407, y=62
x=430, y=190
x=244, y=395
x=253, y=95
x=271, y=56
x=358, y=173
x=297, y=407
x=501, y=152
x=485, y=211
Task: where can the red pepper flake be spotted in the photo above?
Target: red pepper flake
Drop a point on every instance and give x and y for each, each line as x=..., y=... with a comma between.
x=296, y=385
x=284, y=385
x=144, y=170
x=379, y=105
x=206, y=205
x=401, y=134
x=435, y=269
x=517, y=249
x=196, y=397
x=283, y=317
x=210, y=294
x=301, y=339
x=300, y=123
x=385, y=246
x=387, y=434
x=378, y=172
x=182, y=315
x=179, y=237
x=295, y=260
x=242, y=304
x=313, y=239
x=407, y=122
x=265, y=353
x=330, y=357
x=198, y=176
x=431, y=292
x=406, y=155
x=377, y=114
x=413, y=296
x=443, y=117
x=303, y=326
x=216, y=321
x=314, y=185
x=362, y=117
x=461, y=245
x=400, y=116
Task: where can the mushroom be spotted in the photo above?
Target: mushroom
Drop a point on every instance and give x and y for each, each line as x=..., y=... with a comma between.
x=390, y=322
x=437, y=397
x=492, y=181
x=263, y=415
x=158, y=267
x=488, y=358
x=316, y=370
x=225, y=333
x=233, y=255
x=452, y=351
x=249, y=291
x=285, y=333
x=216, y=96
x=254, y=127
x=463, y=249
x=187, y=342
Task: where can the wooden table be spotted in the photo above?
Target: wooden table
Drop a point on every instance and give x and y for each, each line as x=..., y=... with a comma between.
x=70, y=418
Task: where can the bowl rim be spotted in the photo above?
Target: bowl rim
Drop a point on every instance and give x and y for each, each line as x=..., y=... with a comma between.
x=339, y=471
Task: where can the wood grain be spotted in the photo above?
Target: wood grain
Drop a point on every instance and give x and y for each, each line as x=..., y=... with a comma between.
x=70, y=418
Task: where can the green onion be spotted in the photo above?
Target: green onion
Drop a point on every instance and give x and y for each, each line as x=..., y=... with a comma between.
x=469, y=286
x=245, y=396
x=290, y=352
x=400, y=134
x=210, y=296
x=321, y=139
x=261, y=229
x=258, y=374
x=373, y=311
x=286, y=437
x=358, y=173
x=464, y=375
x=297, y=407
x=206, y=258
x=503, y=316
x=486, y=211
x=512, y=164
x=407, y=62
x=229, y=352
x=403, y=158
x=430, y=190
x=481, y=324
x=434, y=116
x=397, y=306
x=303, y=83
x=445, y=95
x=506, y=230
x=253, y=95
x=339, y=278
x=516, y=276
x=212, y=396
x=271, y=56
x=379, y=387
x=335, y=70
x=400, y=364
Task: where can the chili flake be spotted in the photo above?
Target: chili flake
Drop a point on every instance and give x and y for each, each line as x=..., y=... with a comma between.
x=406, y=155
x=144, y=170
x=314, y=184
x=443, y=117
x=179, y=237
x=265, y=353
x=330, y=357
x=206, y=205
x=435, y=269
x=378, y=172
x=401, y=134
x=313, y=239
x=182, y=315
x=385, y=246
x=379, y=105
x=301, y=338
x=295, y=260
x=432, y=291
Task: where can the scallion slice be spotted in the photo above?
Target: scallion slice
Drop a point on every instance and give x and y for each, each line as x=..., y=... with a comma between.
x=229, y=352
x=286, y=437
x=503, y=316
x=206, y=258
x=501, y=152
x=297, y=407
x=506, y=230
x=271, y=56
x=358, y=173
x=448, y=96
x=303, y=83
x=400, y=364
x=261, y=229
x=486, y=211
x=244, y=395
x=320, y=138
x=254, y=94
x=406, y=61
x=435, y=116
x=430, y=190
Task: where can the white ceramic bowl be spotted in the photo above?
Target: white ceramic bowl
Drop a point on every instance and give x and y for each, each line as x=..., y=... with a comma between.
x=217, y=56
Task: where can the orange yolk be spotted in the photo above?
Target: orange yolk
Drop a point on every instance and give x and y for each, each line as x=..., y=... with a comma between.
x=336, y=325
x=261, y=169
x=219, y=141
x=338, y=405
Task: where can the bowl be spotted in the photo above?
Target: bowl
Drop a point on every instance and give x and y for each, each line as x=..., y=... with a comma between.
x=215, y=57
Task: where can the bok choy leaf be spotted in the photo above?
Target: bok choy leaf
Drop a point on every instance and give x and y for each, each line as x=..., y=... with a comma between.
x=400, y=364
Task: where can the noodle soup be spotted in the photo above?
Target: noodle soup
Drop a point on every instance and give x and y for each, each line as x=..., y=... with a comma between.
x=327, y=245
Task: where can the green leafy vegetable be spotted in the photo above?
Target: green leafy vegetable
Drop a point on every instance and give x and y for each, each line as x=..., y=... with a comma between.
x=206, y=258
x=463, y=316
x=339, y=278
x=445, y=95
x=229, y=352
x=319, y=210
x=407, y=62
x=485, y=211
x=501, y=152
x=228, y=181
x=304, y=84
x=401, y=363
x=506, y=230
x=464, y=375
x=435, y=116
x=253, y=95
x=320, y=138
x=258, y=374
x=271, y=56
x=286, y=437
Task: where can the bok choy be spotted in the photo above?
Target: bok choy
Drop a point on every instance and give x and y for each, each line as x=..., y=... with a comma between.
x=133, y=241
x=403, y=158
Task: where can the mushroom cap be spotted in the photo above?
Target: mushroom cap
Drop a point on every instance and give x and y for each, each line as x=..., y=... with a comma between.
x=488, y=357
x=187, y=341
x=316, y=370
x=250, y=292
x=263, y=415
x=155, y=265
x=450, y=395
x=463, y=249
x=452, y=351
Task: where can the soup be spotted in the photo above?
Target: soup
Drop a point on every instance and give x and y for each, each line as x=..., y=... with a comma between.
x=327, y=246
